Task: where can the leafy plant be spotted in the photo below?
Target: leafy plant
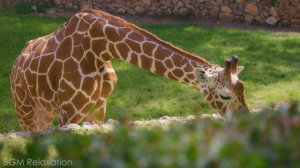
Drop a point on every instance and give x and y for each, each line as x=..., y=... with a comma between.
x=22, y=8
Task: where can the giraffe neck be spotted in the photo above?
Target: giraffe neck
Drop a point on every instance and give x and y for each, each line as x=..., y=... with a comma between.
x=127, y=42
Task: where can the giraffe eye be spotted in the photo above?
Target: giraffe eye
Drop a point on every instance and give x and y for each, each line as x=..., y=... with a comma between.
x=225, y=97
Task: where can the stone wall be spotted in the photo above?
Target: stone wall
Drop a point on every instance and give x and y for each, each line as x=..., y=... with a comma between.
x=272, y=12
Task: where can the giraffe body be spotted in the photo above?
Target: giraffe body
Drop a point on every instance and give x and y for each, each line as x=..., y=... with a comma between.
x=69, y=74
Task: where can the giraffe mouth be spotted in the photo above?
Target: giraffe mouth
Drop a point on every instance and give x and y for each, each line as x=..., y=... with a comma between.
x=225, y=97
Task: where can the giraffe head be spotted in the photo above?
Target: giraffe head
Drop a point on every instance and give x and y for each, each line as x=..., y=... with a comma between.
x=222, y=88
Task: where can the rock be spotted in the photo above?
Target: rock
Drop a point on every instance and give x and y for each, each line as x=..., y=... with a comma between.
x=226, y=9
x=295, y=23
x=226, y=16
x=121, y=10
x=259, y=19
x=51, y=11
x=273, y=12
x=139, y=9
x=248, y=18
x=179, y=4
x=251, y=8
x=147, y=2
x=57, y=2
x=165, y=2
x=271, y=20
x=292, y=11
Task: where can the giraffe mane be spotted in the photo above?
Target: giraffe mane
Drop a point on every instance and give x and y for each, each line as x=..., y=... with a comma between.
x=146, y=34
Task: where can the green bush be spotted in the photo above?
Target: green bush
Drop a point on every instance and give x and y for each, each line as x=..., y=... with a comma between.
x=22, y=8
x=270, y=138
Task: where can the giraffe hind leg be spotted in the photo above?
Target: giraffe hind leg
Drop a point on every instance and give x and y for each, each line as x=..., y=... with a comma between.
x=30, y=118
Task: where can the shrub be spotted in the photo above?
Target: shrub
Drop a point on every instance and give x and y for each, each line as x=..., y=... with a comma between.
x=270, y=138
x=22, y=8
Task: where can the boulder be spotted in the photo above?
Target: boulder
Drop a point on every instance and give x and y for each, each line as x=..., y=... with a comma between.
x=273, y=12
x=295, y=23
x=147, y=2
x=271, y=20
x=226, y=9
x=226, y=16
x=165, y=2
x=248, y=18
x=252, y=9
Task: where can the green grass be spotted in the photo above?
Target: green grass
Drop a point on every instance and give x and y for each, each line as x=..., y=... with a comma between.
x=271, y=61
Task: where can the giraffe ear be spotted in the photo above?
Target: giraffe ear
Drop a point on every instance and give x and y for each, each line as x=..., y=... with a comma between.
x=203, y=76
x=240, y=69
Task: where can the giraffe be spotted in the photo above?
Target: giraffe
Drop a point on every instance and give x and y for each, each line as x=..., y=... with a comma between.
x=68, y=74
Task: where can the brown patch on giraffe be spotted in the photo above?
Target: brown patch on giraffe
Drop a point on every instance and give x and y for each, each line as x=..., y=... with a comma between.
x=90, y=19
x=96, y=92
x=21, y=93
x=59, y=35
x=178, y=73
x=188, y=68
x=134, y=45
x=69, y=109
x=26, y=50
x=161, y=53
x=64, y=49
x=123, y=49
x=112, y=50
x=34, y=64
x=146, y=62
x=106, y=57
x=213, y=104
x=169, y=63
x=123, y=31
x=134, y=58
x=39, y=49
x=78, y=100
x=210, y=97
x=45, y=60
x=83, y=26
x=115, y=24
x=98, y=46
x=89, y=84
x=46, y=105
x=71, y=73
x=219, y=104
x=136, y=37
x=148, y=48
x=77, y=39
x=55, y=74
x=28, y=61
x=191, y=76
x=31, y=81
x=51, y=46
x=178, y=60
x=71, y=26
x=97, y=29
x=106, y=89
x=160, y=67
x=171, y=76
x=78, y=53
x=87, y=64
x=186, y=80
x=44, y=89
x=35, y=43
x=112, y=34
x=65, y=92
x=86, y=43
